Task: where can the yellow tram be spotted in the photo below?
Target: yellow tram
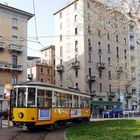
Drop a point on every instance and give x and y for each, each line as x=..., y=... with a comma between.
x=41, y=104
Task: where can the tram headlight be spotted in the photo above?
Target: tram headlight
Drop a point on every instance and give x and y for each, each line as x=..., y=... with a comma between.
x=20, y=115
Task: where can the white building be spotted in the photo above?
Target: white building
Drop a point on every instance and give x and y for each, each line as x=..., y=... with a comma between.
x=94, y=58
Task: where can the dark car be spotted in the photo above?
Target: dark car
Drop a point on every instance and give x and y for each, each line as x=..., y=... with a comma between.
x=115, y=112
x=4, y=114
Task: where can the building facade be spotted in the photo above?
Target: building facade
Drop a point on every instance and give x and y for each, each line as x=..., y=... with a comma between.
x=93, y=52
x=43, y=69
x=13, y=46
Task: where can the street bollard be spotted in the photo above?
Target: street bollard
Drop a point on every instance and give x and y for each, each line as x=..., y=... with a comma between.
x=103, y=116
x=108, y=115
x=97, y=115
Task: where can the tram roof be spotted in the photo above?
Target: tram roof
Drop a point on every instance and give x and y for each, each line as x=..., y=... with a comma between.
x=43, y=84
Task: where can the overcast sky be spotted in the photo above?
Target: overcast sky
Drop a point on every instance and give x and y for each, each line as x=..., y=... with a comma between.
x=44, y=10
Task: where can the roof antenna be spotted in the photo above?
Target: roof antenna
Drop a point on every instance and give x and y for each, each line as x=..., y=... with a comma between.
x=5, y=3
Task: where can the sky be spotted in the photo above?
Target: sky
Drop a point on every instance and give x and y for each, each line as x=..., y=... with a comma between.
x=44, y=10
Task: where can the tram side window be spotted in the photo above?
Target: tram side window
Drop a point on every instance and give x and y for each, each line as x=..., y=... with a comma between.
x=13, y=98
x=31, y=97
x=21, y=97
x=44, y=98
x=40, y=98
x=75, y=101
x=82, y=102
x=87, y=102
x=61, y=99
x=48, y=98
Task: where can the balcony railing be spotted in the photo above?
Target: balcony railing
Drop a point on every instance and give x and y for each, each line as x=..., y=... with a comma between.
x=30, y=76
x=15, y=47
x=101, y=65
x=111, y=94
x=119, y=69
x=75, y=65
x=92, y=93
x=2, y=45
x=60, y=68
x=11, y=67
x=128, y=95
x=91, y=78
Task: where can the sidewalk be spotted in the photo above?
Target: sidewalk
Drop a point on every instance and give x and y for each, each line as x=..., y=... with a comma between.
x=5, y=124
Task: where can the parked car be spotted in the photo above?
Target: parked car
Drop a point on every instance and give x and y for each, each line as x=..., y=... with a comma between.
x=128, y=112
x=4, y=114
x=115, y=112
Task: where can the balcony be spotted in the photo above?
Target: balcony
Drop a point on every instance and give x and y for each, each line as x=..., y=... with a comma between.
x=75, y=65
x=111, y=94
x=15, y=48
x=101, y=66
x=60, y=68
x=30, y=76
x=92, y=93
x=91, y=78
x=119, y=69
x=89, y=48
x=10, y=67
x=2, y=45
x=128, y=95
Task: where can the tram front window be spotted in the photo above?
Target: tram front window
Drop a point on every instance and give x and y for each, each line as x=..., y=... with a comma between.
x=31, y=97
x=21, y=97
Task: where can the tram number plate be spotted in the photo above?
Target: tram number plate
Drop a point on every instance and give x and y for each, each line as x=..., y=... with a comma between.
x=44, y=114
x=75, y=113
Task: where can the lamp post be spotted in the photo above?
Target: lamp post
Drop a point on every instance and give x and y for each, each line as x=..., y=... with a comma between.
x=8, y=88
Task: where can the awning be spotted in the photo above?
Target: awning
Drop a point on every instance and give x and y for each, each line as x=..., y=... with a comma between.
x=104, y=103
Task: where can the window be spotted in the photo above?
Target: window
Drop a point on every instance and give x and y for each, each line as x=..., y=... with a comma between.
x=88, y=4
x=76, y=31
x=89, y=57
x=60, y=14
x=109, y=75
x=117, y=38
x=48, y=71
x=117, y=50
x=125, y=55
x=110, y=88
x=109, y=62
x=31, y=97
x=100, y=87
x=75, y=6
x=76, y=45
x=60, y=37
x=21, y=97
x=89, y=70
x=14, y=40
x=76, y=73
x=14, y=79
x=89, y=42
x=108, y=48
x=125, y=41
x=14, y=61
x=41, y=79
x=108, y=36
x=14, y=23
x=99, y=33
x=75, y=18
x=41, y=70
x=89, y=30
x=100, y=73
x=44, y=98
x=61, y=51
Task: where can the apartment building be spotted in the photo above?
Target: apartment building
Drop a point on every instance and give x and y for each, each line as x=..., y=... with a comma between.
x=43, y=68
x=94, y=53
x=13, y=46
